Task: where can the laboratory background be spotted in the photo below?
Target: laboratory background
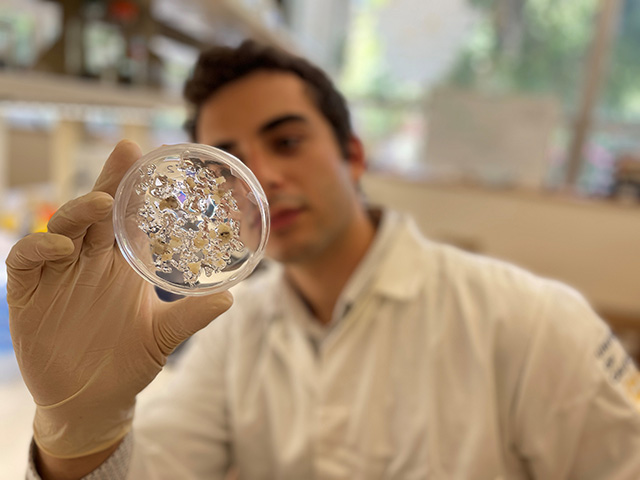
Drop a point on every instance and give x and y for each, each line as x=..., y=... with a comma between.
x=508, y=128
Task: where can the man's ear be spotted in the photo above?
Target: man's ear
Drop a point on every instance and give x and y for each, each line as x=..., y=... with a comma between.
x=356, y=158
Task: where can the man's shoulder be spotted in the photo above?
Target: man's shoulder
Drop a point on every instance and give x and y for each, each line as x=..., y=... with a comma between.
x=443, y=269
x=506, y=305
x=489, y=282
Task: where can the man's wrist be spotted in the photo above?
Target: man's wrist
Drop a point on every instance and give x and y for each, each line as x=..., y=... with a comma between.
x=54, y=468
x=69, y=431
x=114, y=467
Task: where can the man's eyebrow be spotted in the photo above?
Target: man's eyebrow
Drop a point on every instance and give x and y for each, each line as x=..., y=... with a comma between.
x=276, y=122
x=228, y=146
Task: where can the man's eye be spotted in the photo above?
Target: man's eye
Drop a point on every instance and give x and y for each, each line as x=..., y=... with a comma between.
x=287, y=143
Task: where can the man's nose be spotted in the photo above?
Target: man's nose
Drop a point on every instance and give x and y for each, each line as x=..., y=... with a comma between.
x=265, y=168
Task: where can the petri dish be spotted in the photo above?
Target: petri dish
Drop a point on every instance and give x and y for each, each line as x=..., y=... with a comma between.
x=191, y=219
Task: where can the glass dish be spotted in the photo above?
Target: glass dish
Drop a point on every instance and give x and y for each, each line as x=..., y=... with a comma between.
x=191, y=219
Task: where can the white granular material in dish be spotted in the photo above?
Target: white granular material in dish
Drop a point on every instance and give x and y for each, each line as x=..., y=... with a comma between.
x=188, y=220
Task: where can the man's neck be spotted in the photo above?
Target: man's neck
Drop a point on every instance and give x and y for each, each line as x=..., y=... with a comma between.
x=320, y=281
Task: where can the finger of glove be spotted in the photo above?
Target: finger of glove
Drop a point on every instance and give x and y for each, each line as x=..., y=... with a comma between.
x=178, y=320
x=100, y=236
x=74, y=218
x=123, y=156
x=25, y=261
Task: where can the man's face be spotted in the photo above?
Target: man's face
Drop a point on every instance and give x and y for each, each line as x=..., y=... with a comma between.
x=269, y=121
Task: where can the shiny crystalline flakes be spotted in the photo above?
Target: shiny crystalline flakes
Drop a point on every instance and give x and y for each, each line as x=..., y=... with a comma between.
x=188, y=221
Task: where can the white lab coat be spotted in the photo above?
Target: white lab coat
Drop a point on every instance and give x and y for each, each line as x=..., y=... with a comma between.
x=438, y=365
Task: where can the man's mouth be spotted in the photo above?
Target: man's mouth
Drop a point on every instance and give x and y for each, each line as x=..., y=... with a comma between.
x=284, y=218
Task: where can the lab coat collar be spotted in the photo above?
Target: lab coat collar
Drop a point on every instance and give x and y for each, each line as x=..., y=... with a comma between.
x=388, y=268
x=397, y=276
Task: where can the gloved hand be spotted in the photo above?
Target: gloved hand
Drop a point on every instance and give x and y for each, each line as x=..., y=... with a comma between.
x=89, y=333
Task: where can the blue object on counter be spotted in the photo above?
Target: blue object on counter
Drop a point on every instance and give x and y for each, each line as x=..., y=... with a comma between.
x=9, y=371
x=5, y=336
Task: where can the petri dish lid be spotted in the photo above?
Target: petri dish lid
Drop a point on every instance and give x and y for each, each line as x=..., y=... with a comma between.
x=191, y=219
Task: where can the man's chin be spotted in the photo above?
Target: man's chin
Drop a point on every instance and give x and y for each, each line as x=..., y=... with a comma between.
x=290, y=254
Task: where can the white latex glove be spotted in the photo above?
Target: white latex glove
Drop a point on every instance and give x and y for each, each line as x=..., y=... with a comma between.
x=89, y=333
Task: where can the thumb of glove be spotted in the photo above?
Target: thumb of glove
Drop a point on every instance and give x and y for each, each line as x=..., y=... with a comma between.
x=178, y=320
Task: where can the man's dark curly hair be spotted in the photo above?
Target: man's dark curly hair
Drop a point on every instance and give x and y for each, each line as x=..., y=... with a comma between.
x=219, y=66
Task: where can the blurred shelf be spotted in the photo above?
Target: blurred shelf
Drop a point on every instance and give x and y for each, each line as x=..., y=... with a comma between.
x=51, y=88
x=198, y=23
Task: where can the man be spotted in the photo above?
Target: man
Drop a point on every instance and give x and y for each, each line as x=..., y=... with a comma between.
x=367, y=352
